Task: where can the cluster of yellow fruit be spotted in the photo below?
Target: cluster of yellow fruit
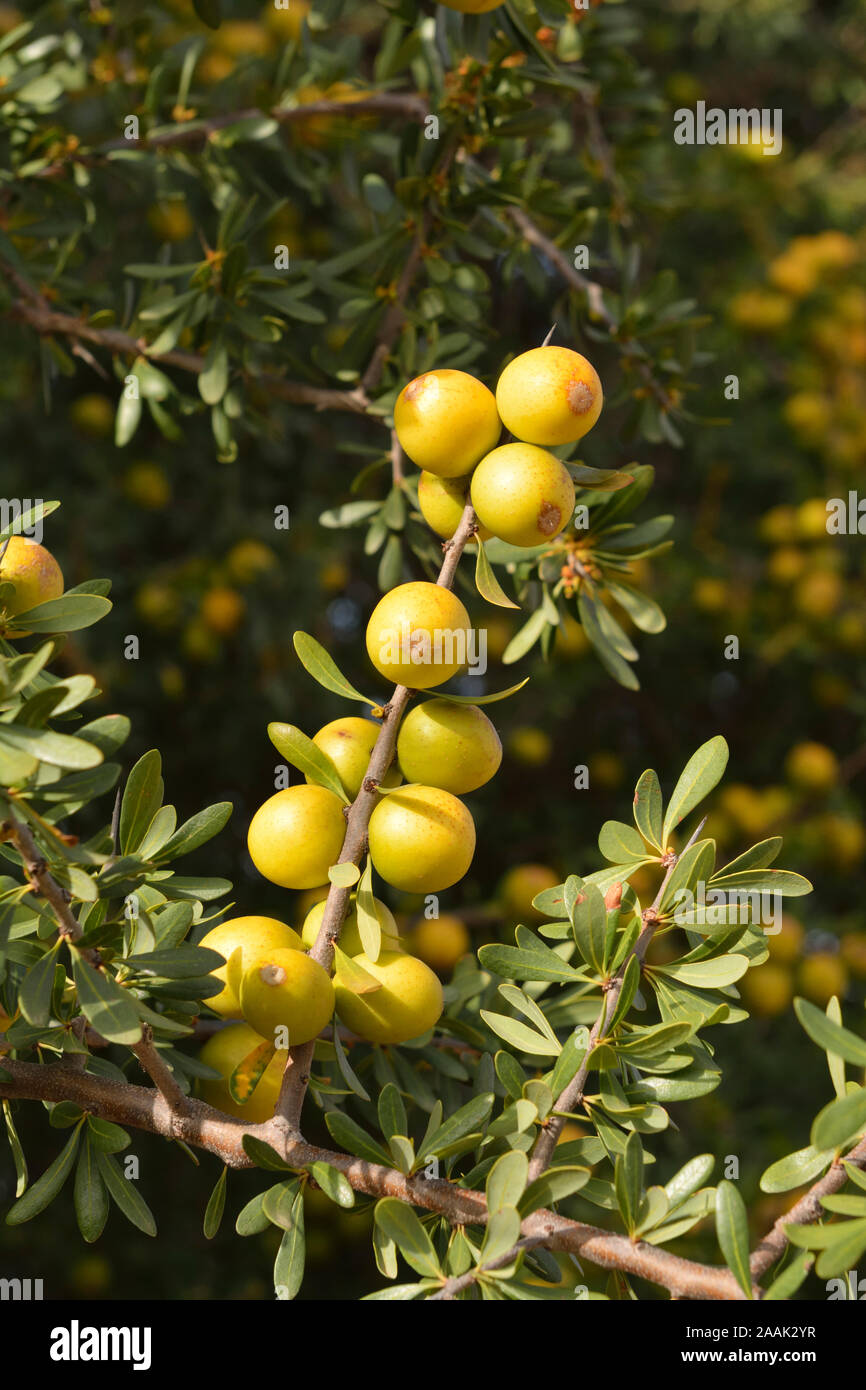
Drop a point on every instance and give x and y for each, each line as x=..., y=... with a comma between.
x=35, y=577
x=817, y=975
x=449, y=424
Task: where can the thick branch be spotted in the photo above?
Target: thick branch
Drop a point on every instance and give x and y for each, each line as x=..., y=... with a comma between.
x=804, y=1212
x=160, y=1072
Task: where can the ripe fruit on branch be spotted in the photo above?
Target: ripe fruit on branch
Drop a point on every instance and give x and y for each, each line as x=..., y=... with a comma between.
x=409, y=1002
x=348, y=743
x=523, y=494
x=35, y=574
x=422, y=839
x=419, y=635
x=454, y=747
x=241, y=941
x=224, y=1052
x=287, y=989
x=440, y=942
x=350, y=936
x=446, y=421
x=442, y=500
x=549, y=395
x=296, y=835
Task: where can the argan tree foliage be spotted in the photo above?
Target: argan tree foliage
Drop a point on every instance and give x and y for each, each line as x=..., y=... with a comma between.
x=259, y=223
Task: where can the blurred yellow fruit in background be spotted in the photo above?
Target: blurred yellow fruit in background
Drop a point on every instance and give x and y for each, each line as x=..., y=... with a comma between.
x=606, y=770
x=530, y=746
x=248, y=559
x=768, y=989
x=812, y=767
x=809, y=413
x=761, y=310
x=821, y=976
x=147, y=485
x=520, y=885
x=778, y=524
x=286, y=20
x=818, y=594
x=170, y=221
x=93, y=414
x=786, y=564
x=158, y=604
x=843, y=840
x=853, y=952
x=222, y=610
x=240, y=37
x=711, y=595
x=440, y=942
x=812, y=519
x=786, y=944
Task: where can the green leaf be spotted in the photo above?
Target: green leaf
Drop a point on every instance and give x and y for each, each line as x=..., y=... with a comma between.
x=501, y=1234
x=844, y=1253
x=525, y=638
x=43, y=1191
x=69, y=613
x=216, y=1206
x=200, y=828
x=589, y=923
x=124, y=1194
x=707, y=974
x=34, y=996
x=392, y=1112
x=182, y=962
x=506, y=1180
x=789, y=1281
x=840, y=1122
x=262, y=1155
x=493, y=698
x=28, y=520
x=486, y=582
x=470, y=1118
x=289, y=1264
x=333, y=1183
x=689, y=1178
x=782, y=881
x=569, y=1060
x=105, y=1005
x=732, y=1229
x=213, y=380
x=628, y=1181
x=552, y=1186
x=251, y=1219
x=18, y=1155
x=305, y=755
x=142, y=798
x=278, y=1203
x=648, y=808
x=829, y=1035
x=350, y=1136
x=105, y=1135
x=58, y=750
x=644, y=612
x=521, y=1037
x=400, y=1224
x=323, y=669
x=535, y=963
x=89, y=1194
x=620, y=843
x=697, y=779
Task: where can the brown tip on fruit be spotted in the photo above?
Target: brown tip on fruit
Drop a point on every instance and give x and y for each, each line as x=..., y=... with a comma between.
x=549, y=518
x=414, y=389
x=579, y=397
x=272, y=974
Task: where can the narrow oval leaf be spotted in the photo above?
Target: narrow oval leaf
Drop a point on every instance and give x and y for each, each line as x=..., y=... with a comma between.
x=700, y=774
x=303, y=754
x=732, y=1229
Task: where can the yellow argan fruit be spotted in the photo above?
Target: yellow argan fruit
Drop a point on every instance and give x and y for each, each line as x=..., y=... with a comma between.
x=422, y=839
x=454, y=747
x=238, y=37
x=241, y=941
x=549, y=395
x=286, y=21
x=530, y=746
x=818, y=594
x=224, y=1052
x=288, y=990
x=248, y=559
x=522, y=494
x=348, y=743
x=222, y=610
x=768, y=989
x=812, y=766
x=440, y=942
x=350, y=936
x=520, y=885
x=36, y=576
x=844, y=841
x=147, y=485
x=419, y=635
x=442, y=501
x=853, y=952
x=786, y=564
x=170, y=221
x=446, y=421
x=812, y=519
x=409, y=1002
x=297, y=835
x=786, y=944
x=821, y=976
x=93, y=414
